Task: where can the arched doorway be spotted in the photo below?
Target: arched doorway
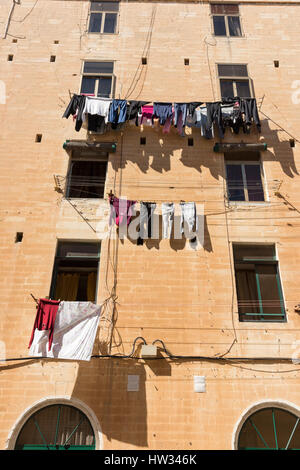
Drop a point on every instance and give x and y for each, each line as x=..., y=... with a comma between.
x=270, y=428
x=56, y=427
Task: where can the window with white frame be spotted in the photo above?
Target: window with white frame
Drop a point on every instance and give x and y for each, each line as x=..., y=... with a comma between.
x=226, y=20
x=103, y=17
x=234, y=81
x=98, y=79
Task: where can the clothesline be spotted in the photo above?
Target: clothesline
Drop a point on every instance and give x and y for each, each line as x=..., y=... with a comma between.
x=97, y=113
x=152, y=101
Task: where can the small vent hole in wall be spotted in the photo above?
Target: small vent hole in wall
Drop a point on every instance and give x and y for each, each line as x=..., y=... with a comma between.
x=186, y=61
x=38, y=137
x=19, y=237
x=292, y=142
x=143, y=141
x=276, y=63
x=52, y=58
x=190, y=142
x=10, y=58
x=144, y=60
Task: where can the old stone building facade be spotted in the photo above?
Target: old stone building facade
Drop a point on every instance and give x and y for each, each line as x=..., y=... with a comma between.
x=222, y=311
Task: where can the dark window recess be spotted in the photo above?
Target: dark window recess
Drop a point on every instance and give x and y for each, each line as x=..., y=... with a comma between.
x=97, y=79
x=103, y=17
x=270, y=429
x=10, y=58
x=75, y=271
x=190, y=142
x=143, y=141
x=244, y=180
x=292, y=142
x=235, y=84
x=226, y=20
x=52, y=58
x=14, y=40
x=56, y=42
x=86, y=179
x=19, y=237
x=276, y=63
x=186, y=61
x=144, y=60
x=258, y=285
x=38, y=138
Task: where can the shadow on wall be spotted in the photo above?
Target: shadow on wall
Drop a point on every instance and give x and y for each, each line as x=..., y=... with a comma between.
x=102, y=385
x=203, y=239
x=160, y=149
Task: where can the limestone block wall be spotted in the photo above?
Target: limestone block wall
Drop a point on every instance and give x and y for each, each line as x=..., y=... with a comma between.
x=163, y=290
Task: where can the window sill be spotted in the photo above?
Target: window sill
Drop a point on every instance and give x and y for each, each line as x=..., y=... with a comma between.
x=249, y=203
x=103, y=34
x=229, y=37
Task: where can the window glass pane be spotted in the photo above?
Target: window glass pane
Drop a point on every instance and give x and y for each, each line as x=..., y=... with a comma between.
x=234, y=26
x=95, y=23
x=235, y=183
x=87, y=179
x=104, y=88
x=98, y=67
x=243, y=88
x=110, y=23
x=227, y=89
x=247, y=294
x=104, y=6
x=88, y=85
x=232, y=70
x=270, y=297
x=219, y=25
x=254, y=183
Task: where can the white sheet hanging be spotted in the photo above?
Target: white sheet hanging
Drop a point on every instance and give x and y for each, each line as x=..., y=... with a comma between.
x=74, y=333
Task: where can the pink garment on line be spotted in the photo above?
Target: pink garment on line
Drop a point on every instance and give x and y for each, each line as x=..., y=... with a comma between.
x=147, y=113
x=121, y=210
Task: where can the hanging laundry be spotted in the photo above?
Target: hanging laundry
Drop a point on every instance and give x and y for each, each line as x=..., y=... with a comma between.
x=146, y=118
x=199, y=119
x=249, y=109
x=189, y=215
x=214, y=116
x=117, y=112
x=120, y=210
x=146, y=213
x=180, y=115
x=44, y=320
x=162, y=111
x=76, y=107
x=167, y=218
x=97, y=106
x=134, y=108
x=190, y=115
x=74, y=332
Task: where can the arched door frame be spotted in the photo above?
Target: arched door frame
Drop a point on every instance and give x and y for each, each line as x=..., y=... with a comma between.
x=283, y=404
x=38, y=405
